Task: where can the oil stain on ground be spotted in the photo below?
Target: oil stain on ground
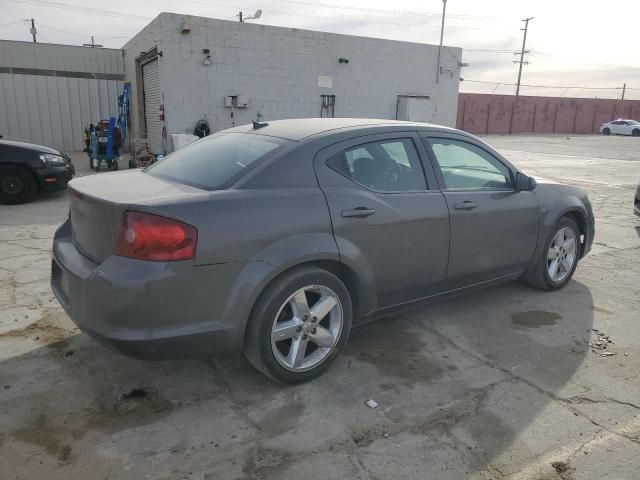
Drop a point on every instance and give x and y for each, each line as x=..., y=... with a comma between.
x=535, y=318
x=394, y=349
x=131, y=408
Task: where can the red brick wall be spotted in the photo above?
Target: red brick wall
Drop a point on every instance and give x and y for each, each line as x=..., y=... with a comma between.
x=483, y=113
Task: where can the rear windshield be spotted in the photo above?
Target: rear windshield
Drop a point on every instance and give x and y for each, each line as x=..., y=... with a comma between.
x=215, y=161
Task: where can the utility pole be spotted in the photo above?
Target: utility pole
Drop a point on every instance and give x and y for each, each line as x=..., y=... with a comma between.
x=33, y=30
x=93, y=44
x=240, y=17
x=624, y=89
x=444, y=11
x=522, y=53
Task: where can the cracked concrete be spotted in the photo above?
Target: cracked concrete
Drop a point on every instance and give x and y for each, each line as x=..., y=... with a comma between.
x=500, y=384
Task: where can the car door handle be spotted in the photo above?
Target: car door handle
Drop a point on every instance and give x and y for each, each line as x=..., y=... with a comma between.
x=466, y=205
x=359, y=212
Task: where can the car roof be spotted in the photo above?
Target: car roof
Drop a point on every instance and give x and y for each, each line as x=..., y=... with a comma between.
x=302, y=128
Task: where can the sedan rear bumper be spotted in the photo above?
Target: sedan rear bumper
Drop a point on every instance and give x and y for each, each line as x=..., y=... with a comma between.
x=152, y=310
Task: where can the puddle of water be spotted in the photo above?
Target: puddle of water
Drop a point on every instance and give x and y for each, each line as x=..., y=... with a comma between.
x=535, y=318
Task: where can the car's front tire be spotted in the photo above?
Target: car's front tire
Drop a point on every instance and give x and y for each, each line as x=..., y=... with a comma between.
x=636, y=132
x=17, y=185
x=559, y=259
x=299, y=325
x=606, y=131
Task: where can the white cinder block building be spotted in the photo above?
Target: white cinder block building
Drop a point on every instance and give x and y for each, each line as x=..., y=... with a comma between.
x=185, y=68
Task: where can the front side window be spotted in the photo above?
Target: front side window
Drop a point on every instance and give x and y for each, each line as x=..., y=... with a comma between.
x=466, y=166
x=214, y=161
x=384, y=166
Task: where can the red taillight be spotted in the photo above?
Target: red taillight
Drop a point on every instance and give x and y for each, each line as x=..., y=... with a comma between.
x=144, y=236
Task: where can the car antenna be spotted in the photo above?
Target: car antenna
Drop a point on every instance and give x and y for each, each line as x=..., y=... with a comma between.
x=257, y=125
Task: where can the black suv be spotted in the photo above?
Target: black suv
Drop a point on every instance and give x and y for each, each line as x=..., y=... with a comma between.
x=27, y=168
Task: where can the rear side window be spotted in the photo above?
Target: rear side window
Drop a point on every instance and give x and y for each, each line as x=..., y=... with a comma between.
x=216, y=161
x=385, y=166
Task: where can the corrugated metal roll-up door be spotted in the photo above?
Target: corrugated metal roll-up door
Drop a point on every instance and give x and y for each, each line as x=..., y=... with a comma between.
x=152, y=102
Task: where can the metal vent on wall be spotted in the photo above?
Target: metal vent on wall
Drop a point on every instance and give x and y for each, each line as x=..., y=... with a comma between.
x=327, y=106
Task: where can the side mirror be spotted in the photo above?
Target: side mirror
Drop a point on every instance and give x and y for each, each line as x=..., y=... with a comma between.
x=524, y=183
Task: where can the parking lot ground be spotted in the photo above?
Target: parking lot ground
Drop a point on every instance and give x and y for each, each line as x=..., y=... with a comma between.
x=499, y=384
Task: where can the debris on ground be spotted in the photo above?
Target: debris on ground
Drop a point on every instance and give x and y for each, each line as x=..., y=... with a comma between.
x=560, y=467
x=371, y=403
x=134, y=393
x=600, y=343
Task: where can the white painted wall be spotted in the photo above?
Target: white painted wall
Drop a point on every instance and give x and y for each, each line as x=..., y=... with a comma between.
x=279, y=68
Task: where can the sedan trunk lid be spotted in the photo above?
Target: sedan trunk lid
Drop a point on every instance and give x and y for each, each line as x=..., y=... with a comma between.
x=97, y=203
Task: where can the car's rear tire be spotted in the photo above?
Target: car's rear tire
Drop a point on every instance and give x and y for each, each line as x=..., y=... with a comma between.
x=606, y=131
x=636, y=132
x=559, y=259
x=17, y=185
x=307, y=311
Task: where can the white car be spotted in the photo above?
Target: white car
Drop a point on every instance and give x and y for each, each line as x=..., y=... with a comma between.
x=621, y=126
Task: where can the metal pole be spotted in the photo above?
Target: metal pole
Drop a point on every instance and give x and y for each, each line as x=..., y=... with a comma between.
x=240, y=17
x=522, y=52
x=624, y=89
x=444, y=11
x=33, y=30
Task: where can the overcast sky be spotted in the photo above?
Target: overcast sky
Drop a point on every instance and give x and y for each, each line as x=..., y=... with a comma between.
x=573, y=43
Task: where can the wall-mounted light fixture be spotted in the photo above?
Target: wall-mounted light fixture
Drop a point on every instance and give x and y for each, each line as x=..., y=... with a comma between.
x=343, y=60
x=184, y=27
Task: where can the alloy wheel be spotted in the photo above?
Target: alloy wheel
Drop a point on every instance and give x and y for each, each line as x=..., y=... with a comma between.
x=562, y=254
x=307, y=328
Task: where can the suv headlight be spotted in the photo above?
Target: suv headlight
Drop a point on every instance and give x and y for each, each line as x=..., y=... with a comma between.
x=53, y=160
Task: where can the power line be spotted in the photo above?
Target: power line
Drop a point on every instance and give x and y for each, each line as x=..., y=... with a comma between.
x=82, y=9
x=13, y=23
x=412, y=13
x=350, y=18
x=485, y=50
x=77, y=34
x=553, y=55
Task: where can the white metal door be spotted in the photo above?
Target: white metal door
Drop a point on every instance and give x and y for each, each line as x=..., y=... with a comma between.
x=152, y=103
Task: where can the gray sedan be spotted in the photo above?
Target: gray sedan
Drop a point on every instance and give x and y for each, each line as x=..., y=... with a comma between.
x=272, y=240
